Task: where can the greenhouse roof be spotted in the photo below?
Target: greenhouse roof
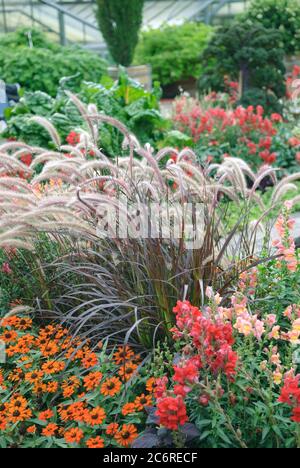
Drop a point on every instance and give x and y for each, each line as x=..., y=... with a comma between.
x=77, y=18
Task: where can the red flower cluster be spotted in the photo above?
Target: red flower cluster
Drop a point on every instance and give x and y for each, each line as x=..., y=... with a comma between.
x=245, y=129
x=212, y=339
x=290, y=394
x=73, y=138
x=207, y=348
x=171, y=412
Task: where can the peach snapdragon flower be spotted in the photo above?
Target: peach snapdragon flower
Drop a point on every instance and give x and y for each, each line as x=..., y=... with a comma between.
x=286, y=245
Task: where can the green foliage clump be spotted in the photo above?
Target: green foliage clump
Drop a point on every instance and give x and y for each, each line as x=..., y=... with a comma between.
x=125, y=100
x=250, y=54
x=173, y=51
x=41, y=66
x=283, y=15
x=120, y=22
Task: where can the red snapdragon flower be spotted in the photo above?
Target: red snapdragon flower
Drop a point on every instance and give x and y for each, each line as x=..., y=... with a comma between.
x=296, y=414
x=186, y=372
x=171, y=412
x=212, y=340
x=290, y=395
x=290, y=392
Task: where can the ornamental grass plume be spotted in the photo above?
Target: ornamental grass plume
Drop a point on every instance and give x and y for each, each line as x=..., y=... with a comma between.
x=136, y=280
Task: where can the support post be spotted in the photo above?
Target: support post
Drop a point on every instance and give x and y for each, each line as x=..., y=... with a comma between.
x=62, y=32
x=4, y=16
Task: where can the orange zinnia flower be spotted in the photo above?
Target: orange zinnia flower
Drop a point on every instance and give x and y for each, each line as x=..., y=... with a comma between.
x=39, y=387
x=18, y=401
x=21, y=347
x=31, y=429
x=94, y=443
x=95, y=417
x=111, y=386
x=150, y=384
x=10, y=321
x=50, y=430
x=128, y=408
x=66, y=414
x=123, y=354
x=74, y=412
x=52, y=387
x=16, y=375
x=72, y=380
x=142, y=401
x=127, y=370
x=49, y=349
x=70, y=385
x=33, y=376
x=69, y=391
x=23, y=324
x=9, y=336
x=53, y=367
x=74, y=435
x=44, y=415
x=18, y=414
x=90, y=360
x=92, y=380
x=27, y=340
x=112, y=429
x=126, y=435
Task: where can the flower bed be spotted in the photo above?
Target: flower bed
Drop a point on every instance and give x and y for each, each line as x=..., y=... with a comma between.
x=57, y=391
x=230, y=378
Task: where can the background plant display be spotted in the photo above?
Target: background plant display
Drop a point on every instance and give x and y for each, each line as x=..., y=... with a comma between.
x=150, y=266
x=157, y=47
x=21, y=62
x=243, y=132
x=124, y=99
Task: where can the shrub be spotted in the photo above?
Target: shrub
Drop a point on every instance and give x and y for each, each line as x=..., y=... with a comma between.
x=120, y=22
x=41, y=67
x=282, y=15
x=173, y=51
x=250, y=54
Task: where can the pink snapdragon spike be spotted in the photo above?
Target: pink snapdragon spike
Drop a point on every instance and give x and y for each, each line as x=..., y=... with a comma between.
x=285, y=245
